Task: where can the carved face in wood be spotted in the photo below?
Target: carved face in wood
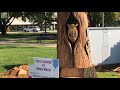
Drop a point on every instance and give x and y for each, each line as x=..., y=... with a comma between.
x=72, y=32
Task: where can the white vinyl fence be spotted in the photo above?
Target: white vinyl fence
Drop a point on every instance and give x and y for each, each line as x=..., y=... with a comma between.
x=105, y=45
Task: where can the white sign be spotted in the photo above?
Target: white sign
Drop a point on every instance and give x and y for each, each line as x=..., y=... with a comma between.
x=44, y=68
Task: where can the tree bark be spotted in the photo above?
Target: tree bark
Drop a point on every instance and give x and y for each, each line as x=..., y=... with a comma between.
x=73, y=47
x=3, y=27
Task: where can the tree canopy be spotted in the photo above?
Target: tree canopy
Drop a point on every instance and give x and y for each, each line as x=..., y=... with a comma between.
x=109, y=18
x=40, y=18
x=5, y=22
x=35, y=17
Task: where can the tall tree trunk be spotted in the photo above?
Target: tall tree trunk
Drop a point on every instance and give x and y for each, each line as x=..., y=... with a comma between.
x=3, y=31
x=3, y=27
x=45, y=27
x=73, y=45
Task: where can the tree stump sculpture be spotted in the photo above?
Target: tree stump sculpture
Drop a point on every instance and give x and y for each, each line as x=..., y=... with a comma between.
x=73, y=46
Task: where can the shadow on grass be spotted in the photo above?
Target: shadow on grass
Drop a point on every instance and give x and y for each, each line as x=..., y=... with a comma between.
x=22, y=35
x=7, y=37
x=15, y=35
x=107, y=67
x=4, y=47
x=4, y=68
x=48, y=41
x=8, y=67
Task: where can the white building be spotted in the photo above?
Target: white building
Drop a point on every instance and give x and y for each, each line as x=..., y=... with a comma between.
x=18, y=24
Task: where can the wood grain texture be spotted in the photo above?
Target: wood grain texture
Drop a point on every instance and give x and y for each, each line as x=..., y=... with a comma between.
x=81, y=59
x=73, y=53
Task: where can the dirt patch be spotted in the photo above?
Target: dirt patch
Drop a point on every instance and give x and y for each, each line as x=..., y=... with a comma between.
x=16, y=72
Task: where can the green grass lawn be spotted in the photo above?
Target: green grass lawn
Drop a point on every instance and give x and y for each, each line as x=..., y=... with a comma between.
x=20, y=52
x=110, y=74
x=11, y=56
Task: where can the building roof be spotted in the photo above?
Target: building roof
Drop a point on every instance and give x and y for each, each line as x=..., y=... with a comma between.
x=18, y=21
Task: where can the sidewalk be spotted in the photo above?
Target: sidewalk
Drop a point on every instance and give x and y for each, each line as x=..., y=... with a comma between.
x=24, y=41
x=28, y=44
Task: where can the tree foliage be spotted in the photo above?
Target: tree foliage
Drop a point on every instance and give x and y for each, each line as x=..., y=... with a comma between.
x=5, y=22
x=109, y=18
x=35, y=17
x=39, y=17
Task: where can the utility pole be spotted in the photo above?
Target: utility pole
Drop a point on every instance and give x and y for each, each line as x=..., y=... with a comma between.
x=103, y=19
x=45, y=22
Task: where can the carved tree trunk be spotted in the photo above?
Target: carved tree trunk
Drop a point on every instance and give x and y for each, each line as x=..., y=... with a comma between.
x=73, y=45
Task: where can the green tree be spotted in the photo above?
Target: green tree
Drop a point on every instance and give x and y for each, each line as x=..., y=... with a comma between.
x=38, y=18
x=95, y=18
x=4, y=23
x=109, y=18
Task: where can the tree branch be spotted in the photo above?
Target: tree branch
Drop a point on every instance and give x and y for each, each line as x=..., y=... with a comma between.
x=9, y=18
x=10, y=23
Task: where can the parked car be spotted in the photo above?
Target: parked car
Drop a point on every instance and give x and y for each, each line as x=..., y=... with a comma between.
x=31, y=29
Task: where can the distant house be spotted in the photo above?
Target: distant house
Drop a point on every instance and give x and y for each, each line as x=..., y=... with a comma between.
x=18, y=24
